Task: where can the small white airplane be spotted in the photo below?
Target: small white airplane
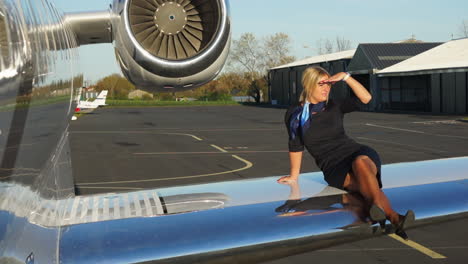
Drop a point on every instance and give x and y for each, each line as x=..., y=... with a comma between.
x=85, y=106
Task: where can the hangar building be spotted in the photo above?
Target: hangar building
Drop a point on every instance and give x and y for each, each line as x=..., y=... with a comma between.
x=434, y=81
x=418, y=77
x=285, y=85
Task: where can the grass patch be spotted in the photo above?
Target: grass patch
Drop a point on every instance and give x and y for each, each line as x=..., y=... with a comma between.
x=12, y=105
x=153, y=103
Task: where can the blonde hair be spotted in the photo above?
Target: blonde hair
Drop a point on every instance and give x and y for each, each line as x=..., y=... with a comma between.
x=310, y=78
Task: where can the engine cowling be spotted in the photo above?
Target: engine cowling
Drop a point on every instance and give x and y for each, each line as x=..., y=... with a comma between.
x=171, y=45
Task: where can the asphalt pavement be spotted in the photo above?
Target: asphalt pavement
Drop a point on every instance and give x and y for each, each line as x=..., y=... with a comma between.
x=127, y=149
x=124, y=149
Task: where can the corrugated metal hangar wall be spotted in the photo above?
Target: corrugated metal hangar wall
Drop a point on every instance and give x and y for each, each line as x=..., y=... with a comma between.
x=286, y=83
x=438, y=93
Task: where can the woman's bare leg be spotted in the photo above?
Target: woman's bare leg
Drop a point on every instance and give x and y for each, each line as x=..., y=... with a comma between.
x=364, y=180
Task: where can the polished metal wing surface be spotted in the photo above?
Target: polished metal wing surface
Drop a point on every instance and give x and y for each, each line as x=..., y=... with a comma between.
x=39, y=77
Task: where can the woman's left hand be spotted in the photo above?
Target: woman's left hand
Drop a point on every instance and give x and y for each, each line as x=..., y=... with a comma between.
x=335, y=78
x=287, y=180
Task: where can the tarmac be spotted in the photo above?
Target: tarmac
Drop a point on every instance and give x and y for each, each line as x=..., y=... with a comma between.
x=127, y=149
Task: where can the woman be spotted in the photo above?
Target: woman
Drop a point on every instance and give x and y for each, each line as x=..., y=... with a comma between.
x=317, y=124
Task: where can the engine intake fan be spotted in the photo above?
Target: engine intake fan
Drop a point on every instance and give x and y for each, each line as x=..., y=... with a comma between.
x=174, y=30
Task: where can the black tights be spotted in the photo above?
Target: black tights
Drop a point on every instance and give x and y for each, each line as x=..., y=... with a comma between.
x=364, y=181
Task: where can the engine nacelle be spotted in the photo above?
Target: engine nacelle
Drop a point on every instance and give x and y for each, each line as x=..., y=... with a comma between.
x=171, y=45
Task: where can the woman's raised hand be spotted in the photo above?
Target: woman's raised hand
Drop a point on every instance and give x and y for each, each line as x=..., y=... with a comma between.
x=335, y=78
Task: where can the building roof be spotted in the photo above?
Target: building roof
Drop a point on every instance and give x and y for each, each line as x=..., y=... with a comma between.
x=448, y=57
x=377, y=56
x=347, y=54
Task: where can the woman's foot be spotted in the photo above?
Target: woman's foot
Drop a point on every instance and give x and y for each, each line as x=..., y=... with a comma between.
x=404, y=221
x=377, y=214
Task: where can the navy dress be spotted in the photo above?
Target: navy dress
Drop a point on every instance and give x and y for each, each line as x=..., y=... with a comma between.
x=326, y=140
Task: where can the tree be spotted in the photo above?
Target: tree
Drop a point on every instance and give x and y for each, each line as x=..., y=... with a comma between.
x=118, y=86
x=464, y=29
x=247, y=52
x=277, y=49
x=326, y=46
x=254, y=58
x=342, y=44
x=258, y=87
x=233, y=83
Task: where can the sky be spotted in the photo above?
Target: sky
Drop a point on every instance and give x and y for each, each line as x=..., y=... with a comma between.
x=308, y=21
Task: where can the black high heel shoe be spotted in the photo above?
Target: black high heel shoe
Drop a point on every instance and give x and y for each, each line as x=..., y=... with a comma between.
x=377, y=215
x=404, y=222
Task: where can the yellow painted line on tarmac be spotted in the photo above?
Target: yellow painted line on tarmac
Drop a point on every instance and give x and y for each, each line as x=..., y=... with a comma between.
x=219, y=148
x=247, y=163
x=418, y=247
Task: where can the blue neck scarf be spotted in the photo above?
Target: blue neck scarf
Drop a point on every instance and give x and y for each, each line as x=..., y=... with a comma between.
x=302, y=117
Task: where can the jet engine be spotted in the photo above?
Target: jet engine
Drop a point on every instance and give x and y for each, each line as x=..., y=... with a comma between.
x=170, y=45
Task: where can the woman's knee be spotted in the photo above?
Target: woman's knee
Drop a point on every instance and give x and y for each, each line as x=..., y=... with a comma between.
x=364, y=163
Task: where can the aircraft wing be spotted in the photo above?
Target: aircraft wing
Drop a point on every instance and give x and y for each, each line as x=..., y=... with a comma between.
x=239, y=221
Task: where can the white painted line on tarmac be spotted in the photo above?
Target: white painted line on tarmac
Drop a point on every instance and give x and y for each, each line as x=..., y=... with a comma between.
x=160, y=131
x=210, y=152
x=136, y=132
x=394, y=128
x=416, y=131
x=113, y=188
x=176, y=153
x=260, y=151
x=431, y=122
x=189, y=135
x=418, y=247
x=404, y=145
x=219, y=148
x=19, y=169
x=247, y=163
x=20, y=175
